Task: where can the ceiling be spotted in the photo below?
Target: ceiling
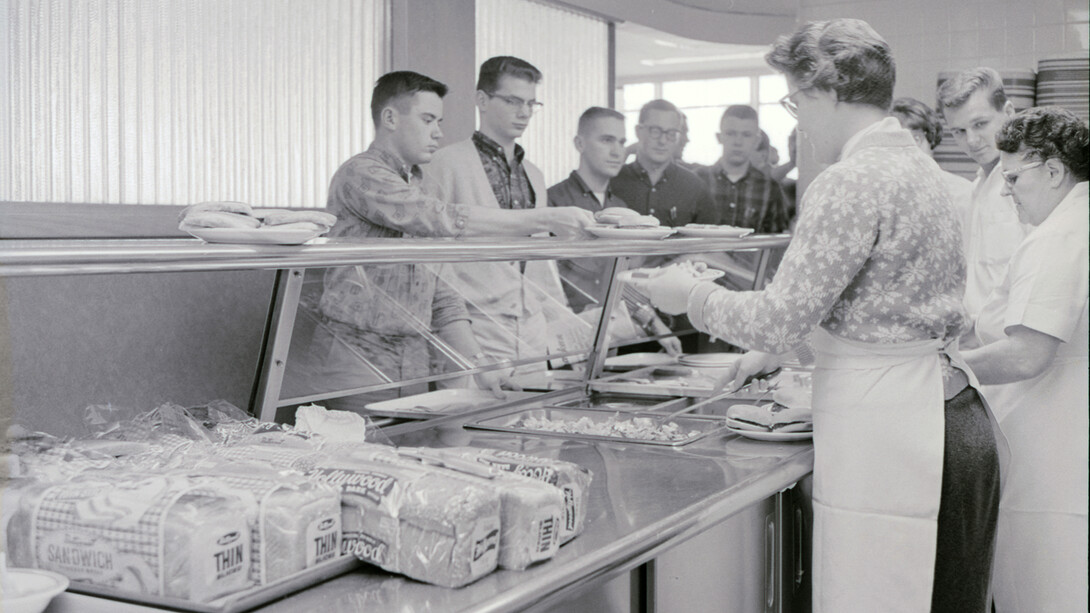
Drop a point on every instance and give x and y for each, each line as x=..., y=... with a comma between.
x=644, y=52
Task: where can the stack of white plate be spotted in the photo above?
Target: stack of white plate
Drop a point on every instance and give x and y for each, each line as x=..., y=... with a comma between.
x=1065, y=82
x=710, y=363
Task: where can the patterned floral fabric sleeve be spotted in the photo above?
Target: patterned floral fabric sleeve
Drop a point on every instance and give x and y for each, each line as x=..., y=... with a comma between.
x=834, y=239
x=377, y=193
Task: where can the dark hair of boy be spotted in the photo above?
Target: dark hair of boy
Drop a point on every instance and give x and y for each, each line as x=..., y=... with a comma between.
x=397, y=87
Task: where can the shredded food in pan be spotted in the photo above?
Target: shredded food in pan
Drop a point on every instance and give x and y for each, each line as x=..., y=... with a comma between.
x=634, y=428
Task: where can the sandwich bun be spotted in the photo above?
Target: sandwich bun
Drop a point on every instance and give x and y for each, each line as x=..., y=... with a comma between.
x=240, y=208
x=610, y=214
x=218, y=219
x=297, y=225
x=638, y=221
x=280, y=217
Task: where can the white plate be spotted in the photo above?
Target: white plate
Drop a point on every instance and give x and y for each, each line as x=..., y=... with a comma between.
x=633, y=361
x=268, y=235
x=709, y=274
x=718, y=232
x=35, y=588
x=780, y=437
x=441, y=402
x=655, y=232
x=709, y=359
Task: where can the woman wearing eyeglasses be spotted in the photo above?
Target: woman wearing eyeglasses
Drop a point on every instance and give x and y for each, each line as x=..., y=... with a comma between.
x=906, y=468
x=1033, y=358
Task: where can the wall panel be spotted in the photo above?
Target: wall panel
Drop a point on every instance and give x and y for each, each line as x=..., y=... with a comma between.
x=174, y=102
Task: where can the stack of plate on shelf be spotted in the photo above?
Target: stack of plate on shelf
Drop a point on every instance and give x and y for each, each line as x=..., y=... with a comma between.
x=1065, y=82
x=713, y=364
x=1020, y=87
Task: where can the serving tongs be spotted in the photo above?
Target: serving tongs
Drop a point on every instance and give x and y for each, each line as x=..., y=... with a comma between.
x=719, y=394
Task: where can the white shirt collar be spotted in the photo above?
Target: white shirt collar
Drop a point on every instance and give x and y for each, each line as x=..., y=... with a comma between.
x=889, y=124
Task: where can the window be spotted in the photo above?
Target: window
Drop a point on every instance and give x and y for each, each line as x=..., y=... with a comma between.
x=160, y=102
x=703, y=102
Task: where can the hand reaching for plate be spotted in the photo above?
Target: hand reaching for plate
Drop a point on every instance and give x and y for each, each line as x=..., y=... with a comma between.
x=668, y=287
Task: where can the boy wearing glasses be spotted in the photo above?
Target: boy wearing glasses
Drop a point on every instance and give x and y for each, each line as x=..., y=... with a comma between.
x=975, y=106
x=506, y=300
x=655, y=184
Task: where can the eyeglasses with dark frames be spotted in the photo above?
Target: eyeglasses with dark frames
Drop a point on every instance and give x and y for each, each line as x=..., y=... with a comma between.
x=517, y=103
x=656, y=133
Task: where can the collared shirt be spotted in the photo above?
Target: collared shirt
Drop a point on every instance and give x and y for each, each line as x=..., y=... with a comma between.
x=509, y=181
x=585, y=280
x=992, y=235
x=753, y=201
x=573, y=191
x=679, y=197
x=875, y=257
x=375, y=194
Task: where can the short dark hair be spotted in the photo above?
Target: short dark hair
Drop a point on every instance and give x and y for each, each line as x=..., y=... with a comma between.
x=594, y=113
x=915, y=115
x=842, y=55
x=741, y=111
x=488, y=79
x=394, y=87
x=1048, y=132
x=658, y=105
x=955, y=91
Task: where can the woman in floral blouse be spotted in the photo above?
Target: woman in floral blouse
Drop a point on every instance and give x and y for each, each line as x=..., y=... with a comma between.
x=906, y=470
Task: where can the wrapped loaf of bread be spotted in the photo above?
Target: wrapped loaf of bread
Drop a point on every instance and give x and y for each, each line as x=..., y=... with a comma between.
x=531, y=512
x=141, y=533
x=296, y=522
x=572, y=479
x=415, y=521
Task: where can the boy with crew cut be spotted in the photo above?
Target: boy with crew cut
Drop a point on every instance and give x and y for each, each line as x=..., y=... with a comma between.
x=506, y=300
x=655, y=184
x=744, y=196
x=600, y=140
x=975, y=105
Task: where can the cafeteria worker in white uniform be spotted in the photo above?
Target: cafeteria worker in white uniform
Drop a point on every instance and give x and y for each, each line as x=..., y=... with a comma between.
x=1033, y=360
x=906, y=469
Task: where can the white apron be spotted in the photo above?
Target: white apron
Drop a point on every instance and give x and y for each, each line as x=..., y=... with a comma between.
x=1041, y=549
x=879, y=429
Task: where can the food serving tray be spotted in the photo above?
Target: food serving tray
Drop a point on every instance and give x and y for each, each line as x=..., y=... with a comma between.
x=442, y=402
x=642, y=383
x=510, y=422
x=621, y=402
x=245, y=600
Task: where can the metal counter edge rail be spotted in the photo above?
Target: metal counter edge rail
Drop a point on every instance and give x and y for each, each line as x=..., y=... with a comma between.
x=26, y=257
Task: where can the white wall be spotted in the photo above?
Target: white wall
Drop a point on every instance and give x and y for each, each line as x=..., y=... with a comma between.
x=932, y=36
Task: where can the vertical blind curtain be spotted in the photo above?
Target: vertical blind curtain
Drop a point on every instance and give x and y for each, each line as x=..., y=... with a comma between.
x=571, y=49
x=182, y=101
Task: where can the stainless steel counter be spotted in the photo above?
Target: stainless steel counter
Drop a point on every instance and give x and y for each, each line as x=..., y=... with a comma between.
x=642, y=502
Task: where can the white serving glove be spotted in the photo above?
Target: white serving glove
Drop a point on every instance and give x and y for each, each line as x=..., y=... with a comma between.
x=668, y=288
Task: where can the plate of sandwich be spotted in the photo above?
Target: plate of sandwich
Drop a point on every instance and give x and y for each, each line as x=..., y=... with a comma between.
x=771, y=422
x=238, y=223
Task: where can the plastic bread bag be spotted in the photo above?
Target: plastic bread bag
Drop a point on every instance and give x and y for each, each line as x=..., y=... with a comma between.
x=224, y=420
x=279, y=454
x=138, y=533
x=416, y=522
x=296, y=522
x=571, y=478
x=114, y=423
x=531, y=512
